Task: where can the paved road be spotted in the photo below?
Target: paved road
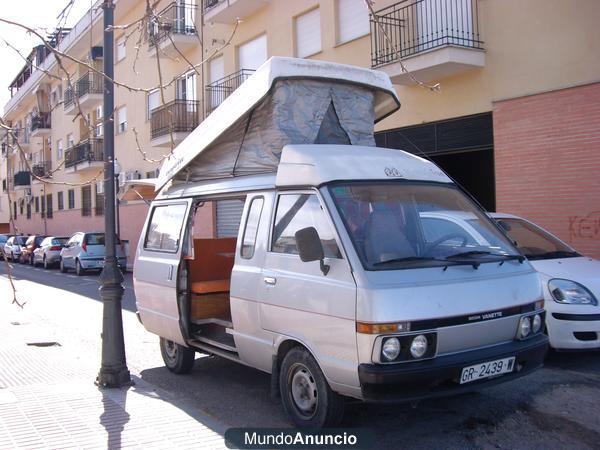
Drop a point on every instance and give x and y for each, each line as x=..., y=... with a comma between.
x=554, y=408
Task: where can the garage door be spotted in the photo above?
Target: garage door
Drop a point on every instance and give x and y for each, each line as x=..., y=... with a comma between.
x=229, y=215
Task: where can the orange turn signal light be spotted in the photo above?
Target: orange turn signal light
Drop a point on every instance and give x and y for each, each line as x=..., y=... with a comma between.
x=539, y=304
x=378, y=328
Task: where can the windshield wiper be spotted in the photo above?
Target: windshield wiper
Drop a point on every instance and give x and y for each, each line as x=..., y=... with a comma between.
x=408, y=259
x=471, y=253
x=554, y=254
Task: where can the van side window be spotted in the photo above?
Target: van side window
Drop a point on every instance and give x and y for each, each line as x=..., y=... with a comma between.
x=297, y=211
x=251, y=229
x=165, y=228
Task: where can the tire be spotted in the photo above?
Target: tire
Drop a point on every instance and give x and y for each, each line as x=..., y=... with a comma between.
x=63, y=269
x=177, y=358
x=31, y=260
x=79, y=271
x=306, y=396
x=45, y=263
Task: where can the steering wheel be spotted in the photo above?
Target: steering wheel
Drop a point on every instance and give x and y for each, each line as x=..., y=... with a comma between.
x=445, y=238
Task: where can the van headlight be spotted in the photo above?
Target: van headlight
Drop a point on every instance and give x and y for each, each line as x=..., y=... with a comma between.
x=536, y=323
x=570, y=292
x=390, y=348
x=524, y=327
x=418, y=346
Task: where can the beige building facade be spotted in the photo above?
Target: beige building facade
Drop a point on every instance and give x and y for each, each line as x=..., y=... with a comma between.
x=514, y=118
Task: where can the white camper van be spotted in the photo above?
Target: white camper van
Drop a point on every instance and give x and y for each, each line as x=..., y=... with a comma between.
x=283, y=239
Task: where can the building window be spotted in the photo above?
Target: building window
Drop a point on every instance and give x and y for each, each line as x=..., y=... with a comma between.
x=153, y=102
x=14, y=210
x=61, y=201
x=43, y=206
x=86, y=201
x=121, y=49
x=253, y=53
x=353, y=20
x=99, y=210
x=28, y=208
x=99, y=128
x=186, y=87
x=70, y=141
x=21, y=207
x=49, y=206
x=308, y=33
x=121, y=119
x=59, y=149
x=71, y=194
x=37, y=204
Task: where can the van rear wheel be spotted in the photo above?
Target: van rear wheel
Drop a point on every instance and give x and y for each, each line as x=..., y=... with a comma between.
x=177, y=358
x=307, y=398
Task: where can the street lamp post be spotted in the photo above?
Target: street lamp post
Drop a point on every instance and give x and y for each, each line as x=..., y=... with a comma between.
x=113, y=370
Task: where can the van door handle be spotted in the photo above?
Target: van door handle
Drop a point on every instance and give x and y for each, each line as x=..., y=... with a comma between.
x=270, y=280
x=170, y=276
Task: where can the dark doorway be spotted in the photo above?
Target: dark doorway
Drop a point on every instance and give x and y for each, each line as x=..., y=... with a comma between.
x=462, y=147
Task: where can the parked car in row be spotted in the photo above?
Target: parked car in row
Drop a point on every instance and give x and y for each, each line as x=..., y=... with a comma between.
x=86, y=251
x=48, y=252
x=3, y=239
x=31, y=244
x=12, y=248
x=570, y=281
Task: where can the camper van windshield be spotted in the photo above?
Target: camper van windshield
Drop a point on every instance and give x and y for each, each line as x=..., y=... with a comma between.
x=402, y=224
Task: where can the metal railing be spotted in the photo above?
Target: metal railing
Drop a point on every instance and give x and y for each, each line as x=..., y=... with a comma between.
x=42, y=169
x=89, y=150
x=90, y=83
x=207, y=5
x=173, y=117
x=22, y=178
x=176, y=18
x=69, y=98
x=219, y=90
x=40, y=121
x=416, y=26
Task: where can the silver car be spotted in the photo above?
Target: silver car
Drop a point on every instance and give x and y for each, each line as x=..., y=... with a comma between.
x=12, y=248
x=86, y=251
x=48, y=252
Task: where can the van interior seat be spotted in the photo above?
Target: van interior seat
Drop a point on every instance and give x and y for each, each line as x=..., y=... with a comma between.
x=210, y=270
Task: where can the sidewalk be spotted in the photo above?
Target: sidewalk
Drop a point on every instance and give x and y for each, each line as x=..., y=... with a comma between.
x=48, y=399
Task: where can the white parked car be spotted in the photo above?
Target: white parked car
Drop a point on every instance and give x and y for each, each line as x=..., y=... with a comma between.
x=12, y=248
x=571, y=284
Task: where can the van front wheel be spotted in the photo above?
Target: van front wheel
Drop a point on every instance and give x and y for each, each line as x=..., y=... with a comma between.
x=177, y=358
x=307, y=398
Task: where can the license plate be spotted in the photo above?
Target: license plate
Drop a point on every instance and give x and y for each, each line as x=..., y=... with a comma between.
x=487, y=369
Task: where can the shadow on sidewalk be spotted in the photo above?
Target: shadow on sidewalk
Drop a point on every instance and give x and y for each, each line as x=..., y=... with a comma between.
x=115, y=416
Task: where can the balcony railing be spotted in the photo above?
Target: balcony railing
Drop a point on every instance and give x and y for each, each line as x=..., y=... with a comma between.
x=40, y=121
x=42, y=169
x=176, y=18
x=219, y=90
x=22, y=178
x=415, y=26
x=208, y=5
x=90, y=83
x=90, y=150
x=69, y=97
x=174, y=117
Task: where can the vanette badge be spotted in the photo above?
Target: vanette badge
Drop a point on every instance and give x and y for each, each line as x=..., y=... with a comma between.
x=486, y=316
x=392, y=172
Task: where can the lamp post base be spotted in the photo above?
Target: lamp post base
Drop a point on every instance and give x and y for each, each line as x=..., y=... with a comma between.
x=113, y=377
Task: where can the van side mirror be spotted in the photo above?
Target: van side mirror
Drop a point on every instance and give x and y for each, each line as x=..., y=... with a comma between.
x=310, y=247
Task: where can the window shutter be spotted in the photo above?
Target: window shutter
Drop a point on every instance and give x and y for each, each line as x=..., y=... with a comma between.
x=308, y=33
x=229, y=215
x=252, y=54
x=353, y=17
x=217, y=69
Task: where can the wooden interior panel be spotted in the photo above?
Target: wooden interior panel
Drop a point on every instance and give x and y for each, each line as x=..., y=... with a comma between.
x=213, y=259
x=211, y=306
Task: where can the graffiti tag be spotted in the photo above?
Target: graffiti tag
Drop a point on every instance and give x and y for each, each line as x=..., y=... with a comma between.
x=585, y=227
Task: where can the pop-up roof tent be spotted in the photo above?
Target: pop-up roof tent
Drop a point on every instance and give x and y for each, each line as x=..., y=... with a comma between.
x=286, y=101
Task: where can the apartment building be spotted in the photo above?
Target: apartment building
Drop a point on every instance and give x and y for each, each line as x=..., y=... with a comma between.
x=516, y=120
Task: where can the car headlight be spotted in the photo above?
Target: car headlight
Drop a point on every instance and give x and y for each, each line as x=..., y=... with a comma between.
x=524, y=327
x=570, y=292
x=390, y=348
x=418, y=346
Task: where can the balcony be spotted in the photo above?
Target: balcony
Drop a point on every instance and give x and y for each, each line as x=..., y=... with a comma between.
x=219, y=90
x=42, y=169
x=172, y=122
x=174, y=30
x=40, y=125
x=22, y=180
x=88, y=92
x=86, y=155
x=434, y=39
x=228, y=11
